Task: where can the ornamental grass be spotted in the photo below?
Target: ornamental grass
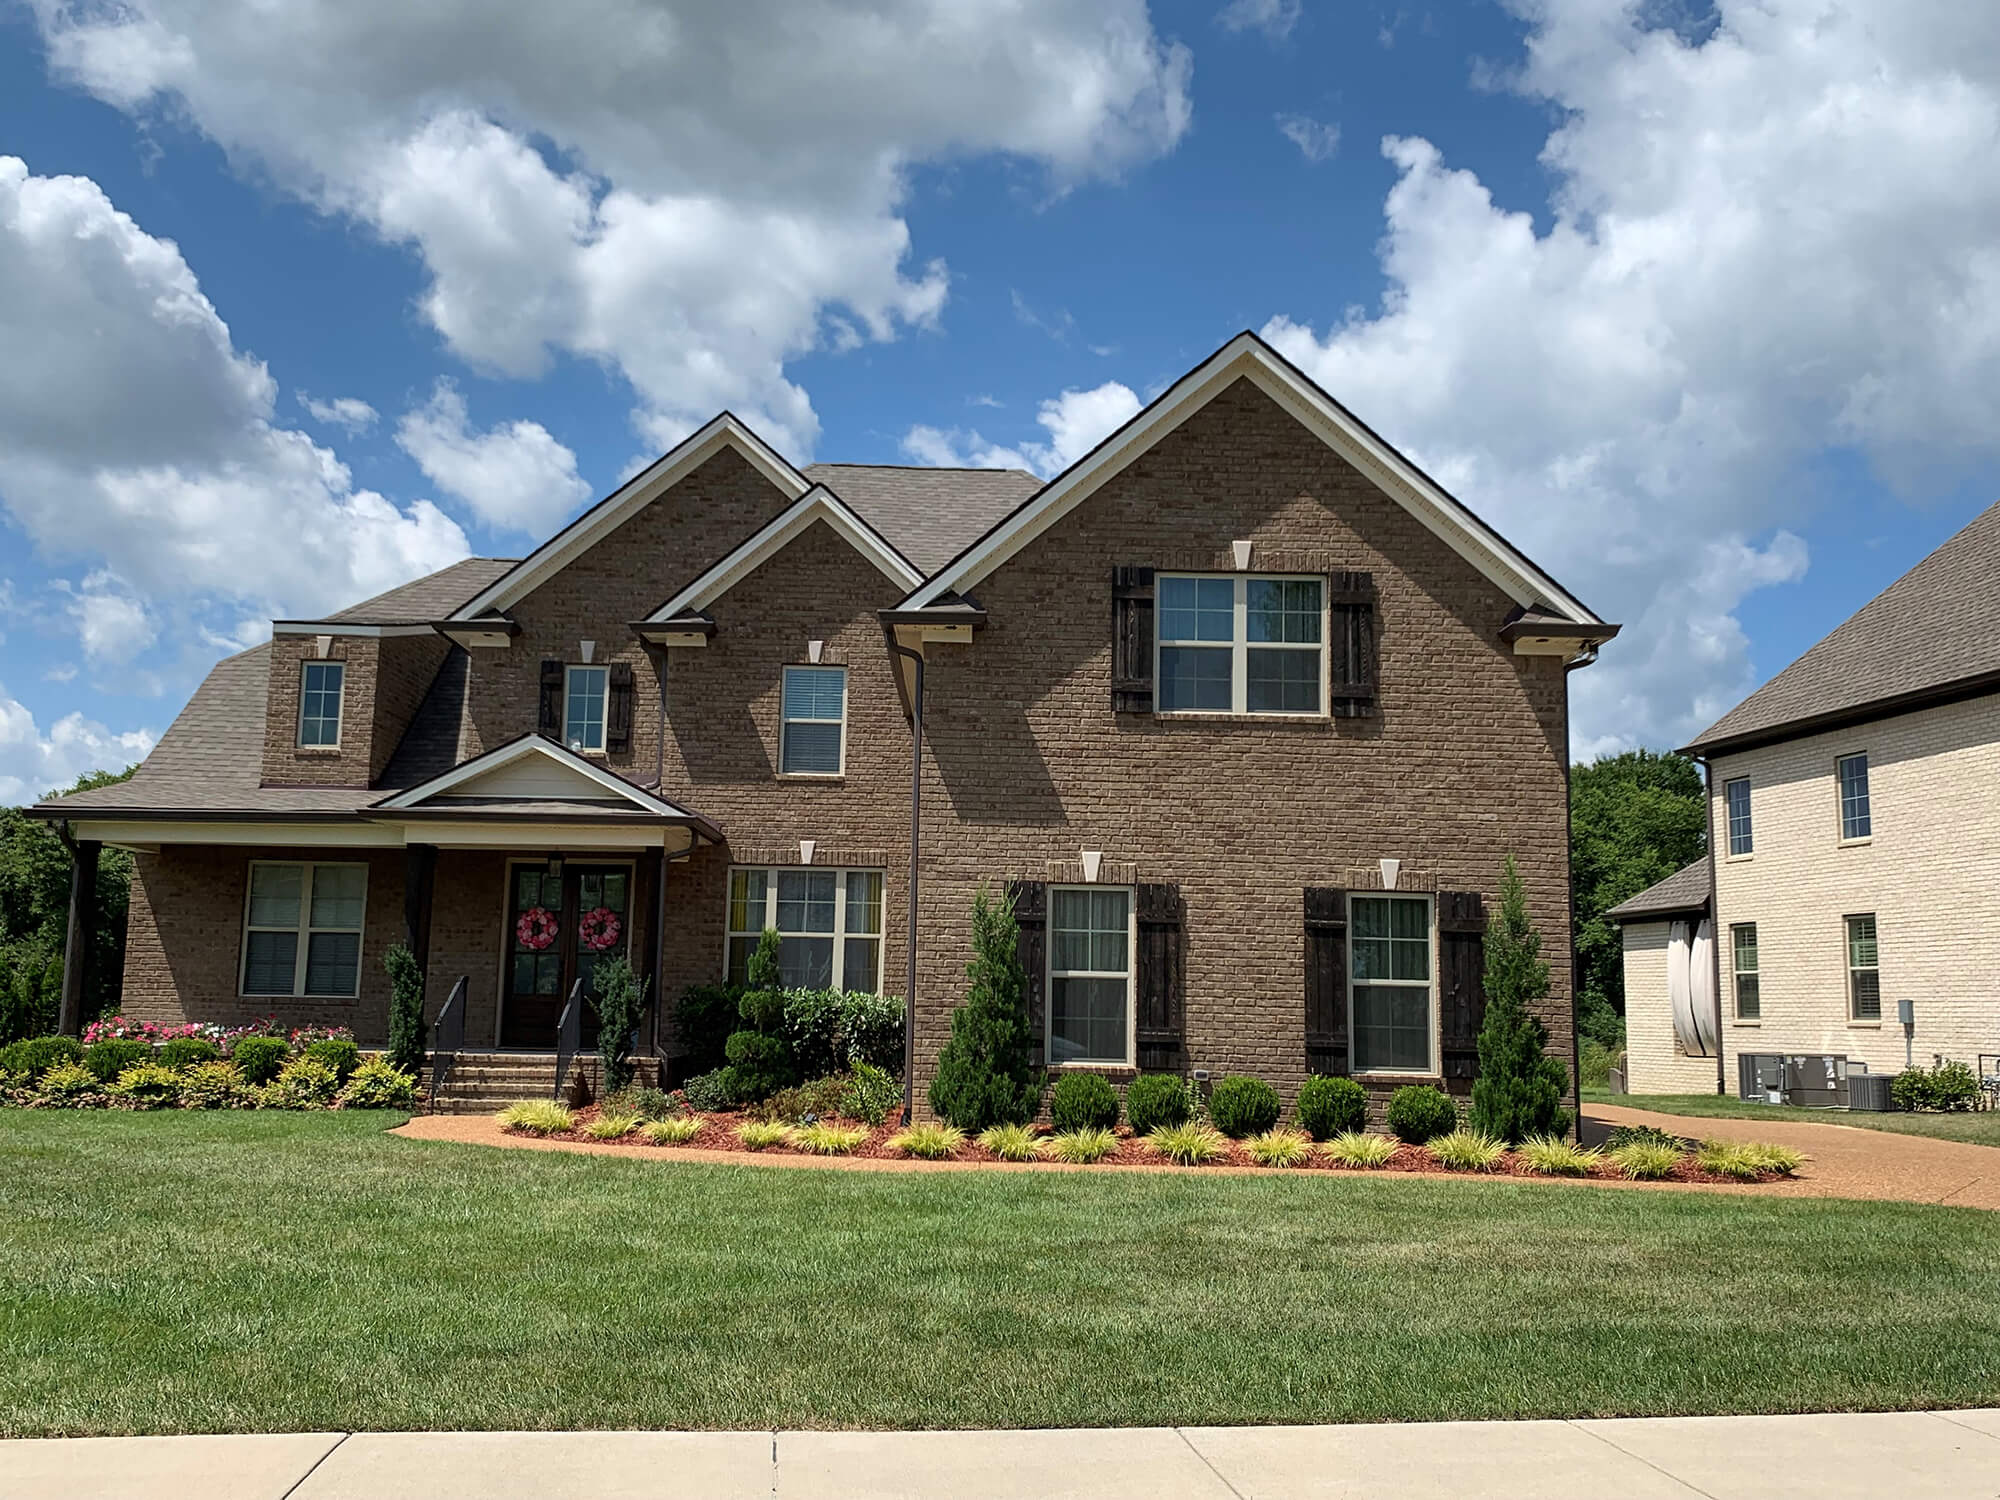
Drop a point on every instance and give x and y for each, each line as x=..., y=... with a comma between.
x=760, y=1135
x=932, y=1141
x=1188, y=1145
x=1359, y=1148
x=823, y=1138
x=1466, y=1151
x=611, y=1127
x=1280, y=1148
x=1552, y=1156
x=1080, y=1147
x=537, y=1117
x=1010, y=1142
x=675, y=1130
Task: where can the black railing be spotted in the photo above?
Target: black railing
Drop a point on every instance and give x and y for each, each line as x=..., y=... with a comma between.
x=447, y=1037
x=569, y=1035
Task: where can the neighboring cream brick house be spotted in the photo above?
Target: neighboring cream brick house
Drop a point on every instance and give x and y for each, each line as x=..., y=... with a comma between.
x=1659, y=927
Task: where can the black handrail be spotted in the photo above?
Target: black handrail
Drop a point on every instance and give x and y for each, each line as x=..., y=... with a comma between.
x=569, y=1034
x=447, y=1037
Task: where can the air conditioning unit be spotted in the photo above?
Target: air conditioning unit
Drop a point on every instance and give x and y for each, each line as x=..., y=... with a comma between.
x=1870, y=1091
x=1760, y=1077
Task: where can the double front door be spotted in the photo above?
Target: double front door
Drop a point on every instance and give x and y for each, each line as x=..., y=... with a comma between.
x=563, y=919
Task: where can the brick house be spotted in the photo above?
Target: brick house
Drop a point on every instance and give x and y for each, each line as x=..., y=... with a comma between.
x=1243, y=709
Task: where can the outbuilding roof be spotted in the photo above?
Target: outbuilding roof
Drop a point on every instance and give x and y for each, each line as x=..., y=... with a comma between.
x=1684, y=890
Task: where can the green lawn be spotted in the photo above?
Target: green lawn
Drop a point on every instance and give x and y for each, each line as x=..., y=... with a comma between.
x=202, y=1272
x=1980, y=1129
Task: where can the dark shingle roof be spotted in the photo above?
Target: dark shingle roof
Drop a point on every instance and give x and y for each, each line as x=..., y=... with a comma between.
x=929, y=515
x=431, y=597
x=1935, y=627
x=1684, y=890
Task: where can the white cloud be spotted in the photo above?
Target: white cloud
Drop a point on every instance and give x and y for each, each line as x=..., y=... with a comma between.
x=1317, y=141
x=33, y=764
x=514, y=476
x=350, y=412
x=693, y=197
x=1779, y=242
x=1076, y=421
x=112, y=624
x=1275, y=18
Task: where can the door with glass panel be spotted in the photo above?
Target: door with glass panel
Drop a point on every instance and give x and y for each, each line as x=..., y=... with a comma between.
x=829, y=926
x=563, y=920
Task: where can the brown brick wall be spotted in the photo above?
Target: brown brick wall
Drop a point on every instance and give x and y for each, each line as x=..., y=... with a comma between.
x=353, y=762
x=405, y=666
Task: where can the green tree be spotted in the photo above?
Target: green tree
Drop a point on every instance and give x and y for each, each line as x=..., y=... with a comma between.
x=986, y=1074
x=406, y=1009
x=1634, y=820
x=621, y=1005
x=760, y=1055
x=1520, y=1088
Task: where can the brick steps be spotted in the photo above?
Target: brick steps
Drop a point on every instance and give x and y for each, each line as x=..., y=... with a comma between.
x=484, y=1083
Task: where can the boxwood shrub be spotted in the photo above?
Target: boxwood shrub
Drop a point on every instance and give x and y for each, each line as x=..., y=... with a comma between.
x=1331, y=1106
x=1083, y=1101
x=258, y=1058
x=112, y=1056
x=339, y=1054
x=1156, y=1099
x=186, y=1051
x=1242, y=1105
x=1419, y=1113
x=34, y=1056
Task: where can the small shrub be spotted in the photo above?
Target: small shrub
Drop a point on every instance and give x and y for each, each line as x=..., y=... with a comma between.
x=1419, y=1112
x=1645, y=1161
x=1331, y=1106
x=1156, y=1099
x=1088, y=1144
x=806, y=1102
x=1188, y=1145
x=148, y=1086
x=1083, y=1101
x=675, y=1130
x=832, y=1030
x=1948, y=1086
x=1519, y=1090
x=68, y=1083
x=379, y=1084
x=609, y=1127
x=760, y=1134
x=407, y=1029
x=711, y=1091
x=214, y=1085
x=987, y=1074
x=340, y=1055
x=1641, y=1135
x=303, y=1083
x=760, y=1065
x=1010, y=1142
x=187, y=1051
x=1355, y=1148
x=933, y=1141
x=110, y=1058
x=870, y=1094
x=1279, y=1148
x=1770, y=1158
x=621, y=1007
x=537, y=1117
x=259, y=1058
x=1466, y=1151
x=824, y=1139
x=1241, y=1105
x=32, y=1058
x=703, y=1019
x=639, y=1099
x=1553, y=1156
x=1727, y=1159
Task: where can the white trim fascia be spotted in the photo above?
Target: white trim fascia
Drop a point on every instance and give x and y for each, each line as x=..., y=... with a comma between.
x=144, y=833
x=415, y=797
x=817, y=504
x=625, y=502
x=1247, y=356
x=337, y=629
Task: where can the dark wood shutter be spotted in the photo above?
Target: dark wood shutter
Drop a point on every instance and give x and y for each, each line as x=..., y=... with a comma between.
x=550, y=719
x=1162, y=978
x=1351, y=622
x=1461, y=979
x=618, y=708
x=1132, y=640
x=1326, y=979
x=1031, y=912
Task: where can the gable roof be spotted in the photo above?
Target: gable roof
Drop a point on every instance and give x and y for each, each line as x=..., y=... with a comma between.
x=1932, y=635
x=1248, y=357
x=431, y=597
x=931, y=514
x=1684, y=890
x=593, y=785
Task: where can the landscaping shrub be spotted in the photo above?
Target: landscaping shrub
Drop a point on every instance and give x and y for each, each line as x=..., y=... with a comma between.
x=758, y=1134
x=1010, y=1142
x=1083, y=1101
x=1188, y=1145
x=1356, y=1148
x=186, y=1051
x=214, y=1085
x=986, y=1074
x=703, y=1019
x=408, y=1033
x=932, y=1141
x=621, y=1006
x=640, y=1099
x=1520, y=1088
x=338, y=1054
x=1466, y=1150
x=379, y=1084
x=1645, y=1161
x=30, y=991
x=148, y=1086
x=1156, y=1099
x=32, y=1058
x=1279, y=1148
x=760, y=1056
x=1241, y=1105
x=831, y=1030
x=1727, y=1159
x=823, y=1139
x=711, y=1091
x=68, y=1083
x=537, y=1117
x=1620, y=1136
x=1554, y=1156
x=1594, y=1062
x=871, y=1093
x=1331, y=1106
x=259, y=1058
x=676, y=1130
x=1418, y=1112
x=805, y=1101
x=609, y=1127
x=1950, y=1086
x=108, y=1059
x=1083, y=1145
x=303, y=1083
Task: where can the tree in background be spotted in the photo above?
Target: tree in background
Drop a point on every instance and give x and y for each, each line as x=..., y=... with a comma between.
x=34, y=920
x=1634, y=820
x=1520, y=1088
x=986, y=1074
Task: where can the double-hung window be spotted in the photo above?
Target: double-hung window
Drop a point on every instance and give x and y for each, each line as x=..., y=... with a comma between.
x=1855, y=820
x=302, y=929
x=584, y=693
x=1391, y=995
x=1241, y=644
x=1736, y=799
x=812, y=739
x=1864, y=975
x=1743, y=944
x=319, y=704
x=829, y=926
x=1090, y=974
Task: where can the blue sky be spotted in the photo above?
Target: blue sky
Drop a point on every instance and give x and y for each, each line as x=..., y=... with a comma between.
x=1638, y=283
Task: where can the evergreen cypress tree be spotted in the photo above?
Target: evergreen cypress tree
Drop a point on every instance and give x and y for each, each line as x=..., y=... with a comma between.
x=1520, y=1087
x=407, y=1031
x=986, y=1073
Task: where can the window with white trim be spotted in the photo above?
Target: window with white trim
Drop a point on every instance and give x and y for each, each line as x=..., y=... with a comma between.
x=1736, y=801
x=812, y=738
x=1392, y=999
x=302, y=929
x=584, y=692
x=1743, y=945
x=1240, y=644
x=1090, y=974
x=1856, y=818
x=1864, y=973
x=320, y=684
x=829, y=925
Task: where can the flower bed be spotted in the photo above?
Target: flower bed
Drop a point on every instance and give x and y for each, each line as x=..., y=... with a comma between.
x=125, y=1064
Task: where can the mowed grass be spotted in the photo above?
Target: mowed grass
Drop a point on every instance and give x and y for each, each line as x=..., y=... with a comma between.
x=192, y=1272
x=1979, y=1129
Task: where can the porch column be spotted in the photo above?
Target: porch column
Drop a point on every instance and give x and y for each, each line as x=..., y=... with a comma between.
x=82, y=933
x=656, y=863
x=419, y=878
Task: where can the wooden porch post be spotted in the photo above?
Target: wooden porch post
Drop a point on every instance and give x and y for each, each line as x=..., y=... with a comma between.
x=419, y=880
x=82, y=933
x=656, y=961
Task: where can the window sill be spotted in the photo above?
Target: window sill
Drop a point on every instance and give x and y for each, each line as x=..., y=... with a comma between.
x=317, y=752
x=1382, y=1076
x=1222, y=716
x=1860, y=843
x=1864, y=1025
x=1738, y=859
x=1740, y=1022
x=260, y=995
x=1094, y=1067
x=812, y=775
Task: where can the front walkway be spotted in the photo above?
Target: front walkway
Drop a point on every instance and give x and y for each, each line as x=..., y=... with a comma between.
x=1912, y=1455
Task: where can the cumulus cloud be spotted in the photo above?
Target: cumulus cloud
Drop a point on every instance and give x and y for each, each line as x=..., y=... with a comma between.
x=33, y=764
x=113, y=624
x=1076, y=421
x=349, y=412
x=693, y=196
x=1765, y=241
x=1276, y=19
x=515, y=476
x=1317, y=141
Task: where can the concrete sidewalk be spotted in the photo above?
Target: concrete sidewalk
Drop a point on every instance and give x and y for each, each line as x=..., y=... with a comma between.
x=1912, y=1455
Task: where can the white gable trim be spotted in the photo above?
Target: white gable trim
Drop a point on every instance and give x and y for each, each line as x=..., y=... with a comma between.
x=1248, y=356
x=817, y=504
x=595, y=524
x=508, y=754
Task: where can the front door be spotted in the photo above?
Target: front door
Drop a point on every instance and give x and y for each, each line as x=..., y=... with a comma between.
x=560, y=925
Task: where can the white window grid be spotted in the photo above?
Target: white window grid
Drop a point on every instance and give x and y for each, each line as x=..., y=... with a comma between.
x=304, y=928
x=856, y=891
x=586, y=694
x=322, y=692
x=1239, y=645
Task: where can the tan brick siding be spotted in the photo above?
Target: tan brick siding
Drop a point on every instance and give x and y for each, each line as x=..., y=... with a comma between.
x=353, y=761
x=1653, y=1061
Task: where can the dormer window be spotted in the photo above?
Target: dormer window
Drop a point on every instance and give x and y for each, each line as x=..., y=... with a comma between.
x=319, y=704
x=584, y=693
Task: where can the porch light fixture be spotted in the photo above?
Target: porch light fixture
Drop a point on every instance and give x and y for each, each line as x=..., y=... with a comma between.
x=555, y=869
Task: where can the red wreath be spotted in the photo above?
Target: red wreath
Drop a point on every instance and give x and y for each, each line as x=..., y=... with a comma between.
x=599, y=929
x=536, y=929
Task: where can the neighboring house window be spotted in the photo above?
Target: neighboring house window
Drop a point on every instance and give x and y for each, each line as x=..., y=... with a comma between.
x=1864, y=977
x=1855, y=822
x=1737, y=794
x=302, y=929
x=1743, y=941
x=812, y=738
x=1241, y=645
x=829, y=925
x=584, y=691
x=1090, y=974
x=1394, y=1005
x=319, y=703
